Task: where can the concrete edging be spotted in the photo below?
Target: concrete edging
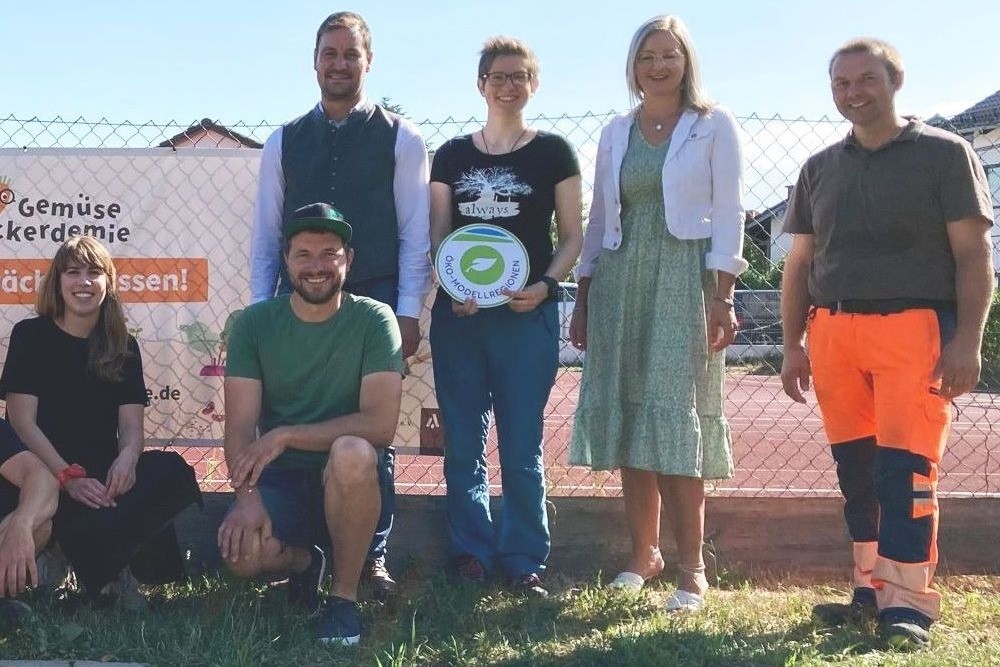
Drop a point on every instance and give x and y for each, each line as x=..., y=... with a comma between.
x=774, y=536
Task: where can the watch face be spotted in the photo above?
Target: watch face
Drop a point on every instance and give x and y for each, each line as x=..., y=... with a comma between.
x=482, y=262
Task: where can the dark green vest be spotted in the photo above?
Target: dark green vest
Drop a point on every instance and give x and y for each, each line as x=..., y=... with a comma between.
x=351, y=168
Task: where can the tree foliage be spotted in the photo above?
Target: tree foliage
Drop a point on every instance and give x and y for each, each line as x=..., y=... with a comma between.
x=761, y=274
x=991, y=346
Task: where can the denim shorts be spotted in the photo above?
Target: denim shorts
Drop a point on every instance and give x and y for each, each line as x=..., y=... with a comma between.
x=293, y=498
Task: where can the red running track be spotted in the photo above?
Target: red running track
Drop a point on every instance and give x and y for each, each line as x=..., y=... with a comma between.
x=779, y=448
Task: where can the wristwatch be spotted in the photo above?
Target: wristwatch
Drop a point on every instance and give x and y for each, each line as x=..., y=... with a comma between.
x=553, y=286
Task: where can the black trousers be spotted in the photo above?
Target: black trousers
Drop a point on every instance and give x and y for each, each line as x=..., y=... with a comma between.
x=138, y=531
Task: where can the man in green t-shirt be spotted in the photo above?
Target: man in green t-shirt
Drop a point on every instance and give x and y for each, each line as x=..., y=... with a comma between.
x=313, y=386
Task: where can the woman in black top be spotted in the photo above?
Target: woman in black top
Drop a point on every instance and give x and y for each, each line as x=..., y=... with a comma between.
x=502, y=359
x=75, y=395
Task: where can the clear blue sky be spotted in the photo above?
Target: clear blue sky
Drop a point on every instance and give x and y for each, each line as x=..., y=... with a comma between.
x=251, y=62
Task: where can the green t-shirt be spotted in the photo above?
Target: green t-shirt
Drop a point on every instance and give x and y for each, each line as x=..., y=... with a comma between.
x=311, y=371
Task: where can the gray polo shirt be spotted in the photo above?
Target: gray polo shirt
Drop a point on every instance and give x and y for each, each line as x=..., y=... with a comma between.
x=880, y=217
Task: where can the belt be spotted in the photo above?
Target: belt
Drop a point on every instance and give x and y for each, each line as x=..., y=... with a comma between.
x=884, y=306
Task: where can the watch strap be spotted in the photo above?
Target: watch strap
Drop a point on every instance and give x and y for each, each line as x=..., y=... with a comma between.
x=553, y=286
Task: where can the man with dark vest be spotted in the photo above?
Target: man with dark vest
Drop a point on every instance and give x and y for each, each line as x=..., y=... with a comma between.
x=371, y=164
x=890, y=274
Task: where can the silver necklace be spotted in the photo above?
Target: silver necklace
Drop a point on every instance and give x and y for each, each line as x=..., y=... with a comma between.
x=656, y=126
x=482, y=135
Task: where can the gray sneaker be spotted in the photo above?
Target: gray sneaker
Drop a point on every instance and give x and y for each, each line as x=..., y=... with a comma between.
x=12, y=613
x=125, y=593
x=53, y=569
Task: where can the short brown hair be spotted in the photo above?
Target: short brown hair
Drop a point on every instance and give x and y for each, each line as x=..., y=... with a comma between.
x=881, y=49
x=350, y=21
x=507, y=46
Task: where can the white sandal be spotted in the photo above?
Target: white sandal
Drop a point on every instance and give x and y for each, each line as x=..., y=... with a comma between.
x=627, y=581
x=683, y=600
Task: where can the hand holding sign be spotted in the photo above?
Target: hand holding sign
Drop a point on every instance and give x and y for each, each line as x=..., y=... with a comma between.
x=481, y=266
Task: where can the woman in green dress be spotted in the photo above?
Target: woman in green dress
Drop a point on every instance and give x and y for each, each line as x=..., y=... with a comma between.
x=654, y=309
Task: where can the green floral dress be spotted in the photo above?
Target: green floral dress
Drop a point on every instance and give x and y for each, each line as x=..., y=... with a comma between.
x=651, y=396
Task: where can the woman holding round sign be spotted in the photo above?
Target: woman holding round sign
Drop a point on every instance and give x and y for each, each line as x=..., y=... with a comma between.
x=654, y=306
x=495, y=325
x=75, y=395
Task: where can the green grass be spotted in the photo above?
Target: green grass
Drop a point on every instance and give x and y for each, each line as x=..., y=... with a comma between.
x=214, y=621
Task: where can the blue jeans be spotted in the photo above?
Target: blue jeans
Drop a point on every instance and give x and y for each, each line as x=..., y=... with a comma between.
x=502, y=362
x=384, y=290
x=293, y=498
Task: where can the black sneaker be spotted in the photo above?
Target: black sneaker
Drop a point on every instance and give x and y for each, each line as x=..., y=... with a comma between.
x=468, y=569
x=904, y=629
x=12, y=613
x=304, y=587
x=340, y=623
x=529, y=585
x=383, y=586
x=861, y=608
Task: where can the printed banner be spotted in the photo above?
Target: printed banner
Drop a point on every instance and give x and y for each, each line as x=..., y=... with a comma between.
x=177, y=223
x=140, y=279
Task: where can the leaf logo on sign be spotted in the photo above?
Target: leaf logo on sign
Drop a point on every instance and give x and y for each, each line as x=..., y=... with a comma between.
x=482, y=263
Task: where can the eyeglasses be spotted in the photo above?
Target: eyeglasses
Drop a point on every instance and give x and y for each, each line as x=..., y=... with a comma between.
x=647, y=58
x=500, y=78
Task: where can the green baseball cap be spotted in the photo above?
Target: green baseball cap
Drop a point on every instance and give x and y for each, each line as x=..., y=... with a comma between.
x=320, y=218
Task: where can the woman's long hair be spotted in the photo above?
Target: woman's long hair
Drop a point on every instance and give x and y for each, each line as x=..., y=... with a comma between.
x=107, y=345
x=693, y=95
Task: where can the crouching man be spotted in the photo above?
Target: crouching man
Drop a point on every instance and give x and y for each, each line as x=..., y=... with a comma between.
x=28, y=497
x=312, y=393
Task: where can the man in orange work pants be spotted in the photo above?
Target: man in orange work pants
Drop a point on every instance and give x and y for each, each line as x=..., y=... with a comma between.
x=890, y=276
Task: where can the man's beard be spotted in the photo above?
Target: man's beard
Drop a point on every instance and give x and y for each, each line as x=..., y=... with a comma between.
x=318, y=298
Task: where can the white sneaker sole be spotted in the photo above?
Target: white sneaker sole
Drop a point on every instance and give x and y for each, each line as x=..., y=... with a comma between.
x=340, y=641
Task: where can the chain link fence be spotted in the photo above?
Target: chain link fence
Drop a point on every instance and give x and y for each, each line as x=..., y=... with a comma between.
x=779, y=446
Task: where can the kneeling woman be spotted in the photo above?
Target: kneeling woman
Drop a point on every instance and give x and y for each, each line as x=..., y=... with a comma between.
x=75, y=395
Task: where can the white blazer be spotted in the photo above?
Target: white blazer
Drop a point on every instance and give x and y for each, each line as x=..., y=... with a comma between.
x=702, y=188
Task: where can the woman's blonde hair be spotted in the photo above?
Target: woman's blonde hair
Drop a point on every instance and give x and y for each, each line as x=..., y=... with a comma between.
x=107, y=345
x=693, y=95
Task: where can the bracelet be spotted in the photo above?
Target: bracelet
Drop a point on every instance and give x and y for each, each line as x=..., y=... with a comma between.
x=728, y=302
x=72, y=471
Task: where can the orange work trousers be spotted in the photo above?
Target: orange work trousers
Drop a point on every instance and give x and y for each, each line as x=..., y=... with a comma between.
x=887, y=423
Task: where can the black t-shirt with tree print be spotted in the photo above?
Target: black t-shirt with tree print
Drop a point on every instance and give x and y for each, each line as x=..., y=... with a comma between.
x=515, y=190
